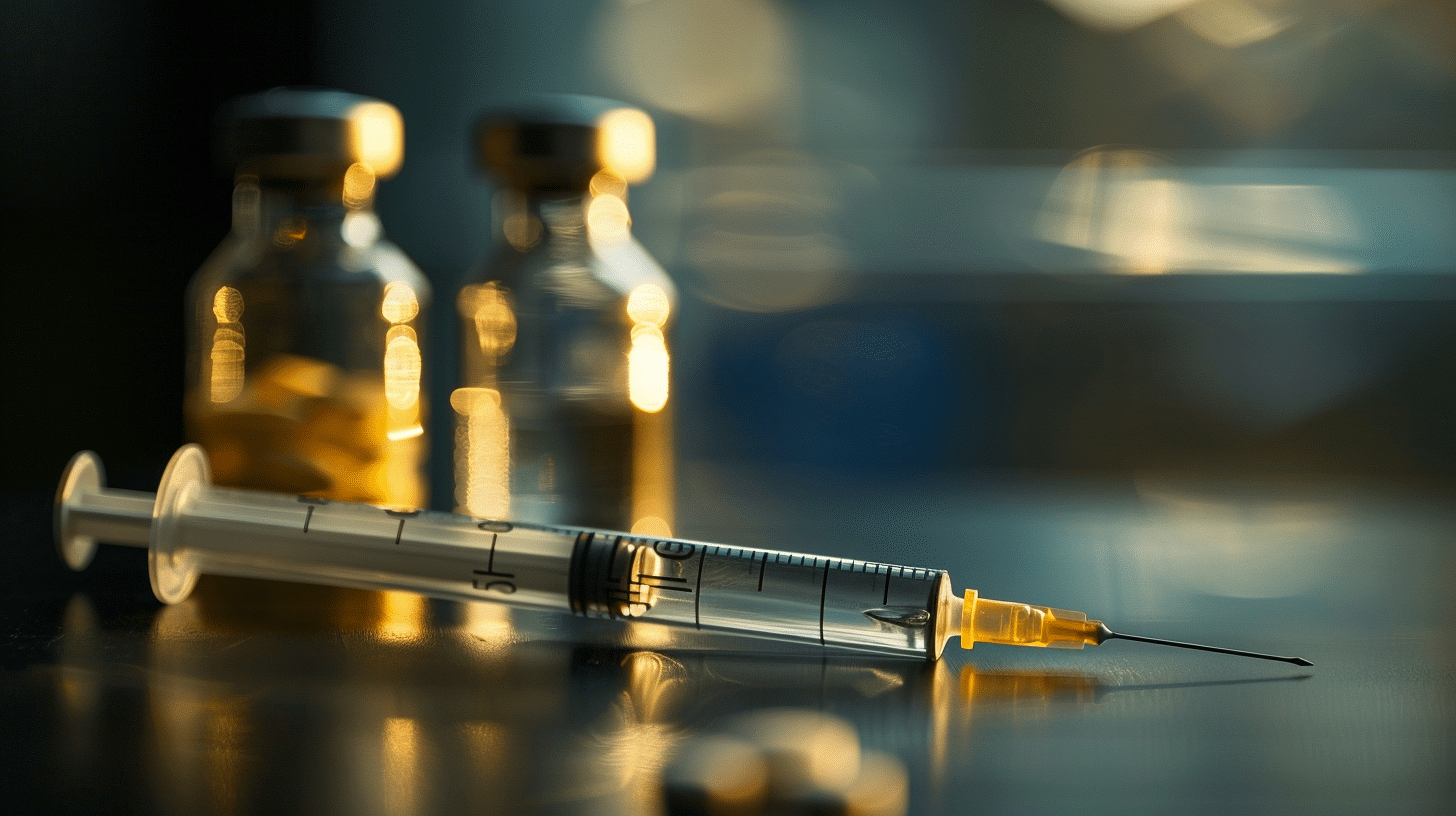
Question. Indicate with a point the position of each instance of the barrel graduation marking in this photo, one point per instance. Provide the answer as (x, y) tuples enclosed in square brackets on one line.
[(401, 515), (312, 502), (507, 587)]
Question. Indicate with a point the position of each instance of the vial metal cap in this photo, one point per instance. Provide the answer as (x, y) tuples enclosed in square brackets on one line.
[(561, 141), (304, 132)]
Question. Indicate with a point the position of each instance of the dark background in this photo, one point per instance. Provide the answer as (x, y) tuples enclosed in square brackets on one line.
[(111, 200)]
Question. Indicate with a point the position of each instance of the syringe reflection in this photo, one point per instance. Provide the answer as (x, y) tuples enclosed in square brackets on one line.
[(229, 702)]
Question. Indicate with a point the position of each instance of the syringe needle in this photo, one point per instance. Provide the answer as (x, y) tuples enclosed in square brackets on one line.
[(1016, 624), (189, 527), (1108, 634)]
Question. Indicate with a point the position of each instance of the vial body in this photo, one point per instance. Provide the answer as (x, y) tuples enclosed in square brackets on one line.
[(564, 410), (305, 326), (563, 414)]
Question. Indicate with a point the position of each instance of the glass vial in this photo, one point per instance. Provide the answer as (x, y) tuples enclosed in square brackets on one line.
[(563, 412), (304, 326)]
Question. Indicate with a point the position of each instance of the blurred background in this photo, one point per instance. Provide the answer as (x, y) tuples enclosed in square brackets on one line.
[(995, 239), (1122, 305)]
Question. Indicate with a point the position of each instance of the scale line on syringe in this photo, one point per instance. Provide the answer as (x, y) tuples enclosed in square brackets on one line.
[(642, 581), (698, 592), (507, 587), (823, 596), (402, 515)]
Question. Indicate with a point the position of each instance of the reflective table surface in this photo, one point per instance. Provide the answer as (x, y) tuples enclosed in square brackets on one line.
[(255, 697)]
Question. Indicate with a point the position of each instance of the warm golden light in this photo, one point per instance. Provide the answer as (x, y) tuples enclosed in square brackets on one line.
[(225, 734), (652, 526), (1118, 15), (290, 231), (402, 368), (79, 687), (378, 137), (1142, 229), (882, 787), (400, 304), (482, 453), (522, 230), (808, 749), (227, 305), (226, 359), (487, 624), (1138, 215), (393, 265), (472, 400), (647, 368), (1234, 548), (653, 476), (731, 775), (633, 743), (298, 424), (285, 377), (358, 186), (1232, 23), (605, 183), (649, 303), (607, 218), (401, 616), (360, 229), (401, 762), (648, 384), (397, 478), (1028, 690), (1097, 203), (488, 307), (718, 60), (627, 144)]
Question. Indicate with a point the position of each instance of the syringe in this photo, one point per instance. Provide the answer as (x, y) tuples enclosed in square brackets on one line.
[(191, 527)]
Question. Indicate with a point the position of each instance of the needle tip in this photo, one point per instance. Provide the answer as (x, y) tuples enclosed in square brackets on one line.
[(1110, 635)]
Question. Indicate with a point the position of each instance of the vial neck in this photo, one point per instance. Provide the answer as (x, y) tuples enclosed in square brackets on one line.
[(562, 215), (265, 204), (562, 221)]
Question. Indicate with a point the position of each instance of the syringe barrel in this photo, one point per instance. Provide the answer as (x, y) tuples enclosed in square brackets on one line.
[(254, 534), (197, 528), (791, 597)]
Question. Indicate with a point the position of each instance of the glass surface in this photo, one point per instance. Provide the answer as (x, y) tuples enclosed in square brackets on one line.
[(255, 696), (304, 346), (563, 414)]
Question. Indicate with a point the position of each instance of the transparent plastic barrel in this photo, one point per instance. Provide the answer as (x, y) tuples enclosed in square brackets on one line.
[(807, 599), (197, 528)]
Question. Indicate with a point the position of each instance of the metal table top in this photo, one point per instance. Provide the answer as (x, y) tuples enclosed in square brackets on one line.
[(257, 697)]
